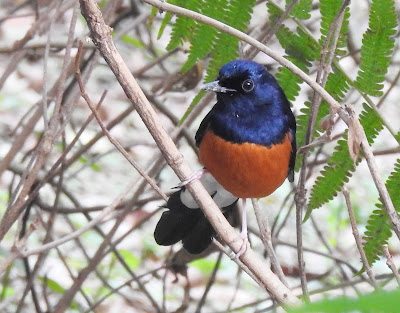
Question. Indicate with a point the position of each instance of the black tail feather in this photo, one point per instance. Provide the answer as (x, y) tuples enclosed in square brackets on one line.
[(176, 222), (189, 225)]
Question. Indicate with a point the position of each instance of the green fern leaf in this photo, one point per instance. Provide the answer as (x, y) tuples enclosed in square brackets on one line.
[(164, 23), (333, 176), (336, 85), (184, 27), (205, 36), (340, 166), (378, 225), (301, 9), (377, 47), (237, 14), (377, 234), (300, 49), (329, 10)]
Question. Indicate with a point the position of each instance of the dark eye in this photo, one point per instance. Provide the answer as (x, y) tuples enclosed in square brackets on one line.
[(248, 85)]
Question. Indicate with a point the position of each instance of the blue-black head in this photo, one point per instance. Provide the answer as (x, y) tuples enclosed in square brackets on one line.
[(246, 86)]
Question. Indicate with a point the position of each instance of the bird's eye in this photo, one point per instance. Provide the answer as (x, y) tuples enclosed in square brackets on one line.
[(248, 85)]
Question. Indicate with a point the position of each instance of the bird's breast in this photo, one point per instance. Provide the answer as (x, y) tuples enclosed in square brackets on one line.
[(247, 170)]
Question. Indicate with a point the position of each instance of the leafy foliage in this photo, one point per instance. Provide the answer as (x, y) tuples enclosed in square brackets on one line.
[(340, 166), (184, 27), (377, 302), (377, 47), (329, 10), (205, 39), (303, 49), (300, 48), (301, 9), (378, 226), (338, 170)]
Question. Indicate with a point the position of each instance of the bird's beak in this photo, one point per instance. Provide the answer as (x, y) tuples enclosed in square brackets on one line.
[(216, 87)]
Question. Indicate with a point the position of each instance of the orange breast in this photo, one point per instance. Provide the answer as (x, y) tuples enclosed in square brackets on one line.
[(246, 170)]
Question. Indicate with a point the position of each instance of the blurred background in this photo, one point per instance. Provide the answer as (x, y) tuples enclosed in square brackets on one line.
[(58, 188)]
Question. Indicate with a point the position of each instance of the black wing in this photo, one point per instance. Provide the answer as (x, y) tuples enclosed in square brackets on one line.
[(202, 129)]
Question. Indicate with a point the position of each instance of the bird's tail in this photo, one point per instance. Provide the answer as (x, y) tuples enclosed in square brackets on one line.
[(183, 222)]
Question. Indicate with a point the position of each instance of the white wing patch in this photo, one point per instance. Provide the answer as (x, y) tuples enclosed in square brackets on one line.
[(222, 197)]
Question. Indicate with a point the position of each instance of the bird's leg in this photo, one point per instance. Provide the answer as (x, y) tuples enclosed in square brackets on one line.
[(243, 233), (194, 176)]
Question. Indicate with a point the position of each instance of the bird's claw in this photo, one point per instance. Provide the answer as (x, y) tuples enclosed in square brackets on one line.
[(243, 247), (194, 176)]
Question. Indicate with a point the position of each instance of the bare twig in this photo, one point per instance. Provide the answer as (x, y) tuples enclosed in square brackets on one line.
[(373, 168), (265, 232), (108, 134), (390, 263), (211, 281), (357, 237)]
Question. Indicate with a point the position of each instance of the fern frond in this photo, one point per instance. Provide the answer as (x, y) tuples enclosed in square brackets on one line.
[(300, 49), (329, 10), (378, 225), (336, 85), (340, 166), (301, 9), (205, 36), (184, 27), (237, 14), (377, 47), (166, 20)]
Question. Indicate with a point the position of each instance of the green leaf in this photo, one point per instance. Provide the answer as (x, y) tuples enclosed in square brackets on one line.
[(378, 226), (52, 284), (205, 36), (329, 10), (204, 265), (340, 166), (377, 302), (300, 49), (132, 41), (301, 9), (377, 47), (184, 27), (132, 261)]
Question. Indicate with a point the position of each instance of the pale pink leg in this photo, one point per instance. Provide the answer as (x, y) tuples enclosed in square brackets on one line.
[(243, 233), (195, 176)]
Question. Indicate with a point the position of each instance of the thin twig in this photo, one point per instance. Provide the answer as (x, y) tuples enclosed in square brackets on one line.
[(373, 168), (322, 77), (357, 237), (390, 263), (265, 234), (211, 281), (108, 134)]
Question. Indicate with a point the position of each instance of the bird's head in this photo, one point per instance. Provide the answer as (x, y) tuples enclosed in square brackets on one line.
[(247, 84)]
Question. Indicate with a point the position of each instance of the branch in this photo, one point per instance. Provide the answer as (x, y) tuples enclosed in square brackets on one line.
[(101, 36), (357, 237)]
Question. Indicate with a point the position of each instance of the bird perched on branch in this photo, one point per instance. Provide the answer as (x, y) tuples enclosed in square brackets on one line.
[(247, 144)]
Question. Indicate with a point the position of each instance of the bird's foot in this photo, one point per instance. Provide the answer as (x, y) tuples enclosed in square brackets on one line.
[(243, 247), (194, 176)]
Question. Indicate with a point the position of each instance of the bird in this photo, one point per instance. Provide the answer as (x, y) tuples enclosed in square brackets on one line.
[(247, 145)]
